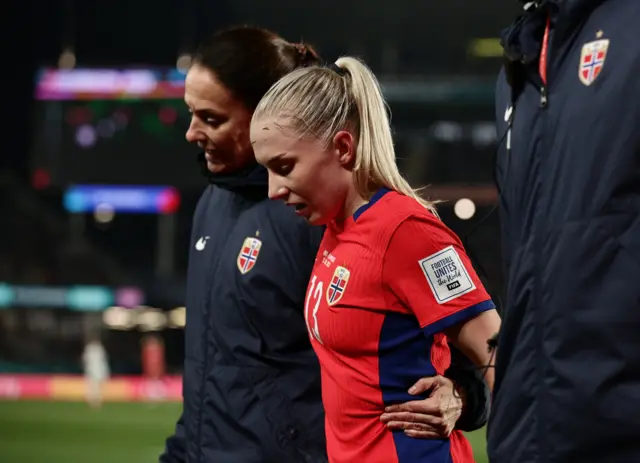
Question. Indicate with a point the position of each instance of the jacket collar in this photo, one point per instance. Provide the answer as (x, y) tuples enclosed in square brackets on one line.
[(523, 39), (253, 178)]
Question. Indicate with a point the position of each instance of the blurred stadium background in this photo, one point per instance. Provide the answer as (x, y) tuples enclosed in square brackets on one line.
[(98, 187)]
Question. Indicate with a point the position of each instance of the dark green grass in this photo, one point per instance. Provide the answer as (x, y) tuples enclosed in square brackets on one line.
[(60, 432)]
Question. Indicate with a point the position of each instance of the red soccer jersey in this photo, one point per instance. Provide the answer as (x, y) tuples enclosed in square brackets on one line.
[(385, 284)]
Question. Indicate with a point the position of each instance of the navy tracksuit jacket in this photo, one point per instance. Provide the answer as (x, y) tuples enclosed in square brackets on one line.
[(251, 379), (568, 362)]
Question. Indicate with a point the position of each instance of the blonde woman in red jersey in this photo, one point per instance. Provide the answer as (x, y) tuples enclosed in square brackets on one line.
[(392, 285)]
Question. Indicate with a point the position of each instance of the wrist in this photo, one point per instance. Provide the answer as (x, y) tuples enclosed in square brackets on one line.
[(461, 393)]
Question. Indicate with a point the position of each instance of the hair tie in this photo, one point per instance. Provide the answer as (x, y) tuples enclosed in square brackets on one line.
[(301, 48), (337, 69)]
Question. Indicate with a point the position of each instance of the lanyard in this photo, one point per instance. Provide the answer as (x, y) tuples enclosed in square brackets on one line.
[(544, 52), (542, 69)]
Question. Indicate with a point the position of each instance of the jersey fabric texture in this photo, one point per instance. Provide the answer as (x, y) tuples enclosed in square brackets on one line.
[(385, 285)]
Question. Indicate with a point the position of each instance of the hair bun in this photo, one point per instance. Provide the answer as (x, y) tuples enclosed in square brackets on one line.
[(308, 56)]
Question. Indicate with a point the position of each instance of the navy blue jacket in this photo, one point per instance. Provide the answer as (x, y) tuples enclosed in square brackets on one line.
[(251, 379), (568, 362)]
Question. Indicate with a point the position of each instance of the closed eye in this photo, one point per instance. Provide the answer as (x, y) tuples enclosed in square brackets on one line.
[(211, 121), (283, 169), (280, 164), (208, 118)]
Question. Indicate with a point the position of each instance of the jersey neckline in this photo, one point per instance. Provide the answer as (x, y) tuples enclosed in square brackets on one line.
[(351, 220), (374, 199)]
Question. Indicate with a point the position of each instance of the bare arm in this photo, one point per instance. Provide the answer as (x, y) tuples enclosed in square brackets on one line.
[(471, 338)]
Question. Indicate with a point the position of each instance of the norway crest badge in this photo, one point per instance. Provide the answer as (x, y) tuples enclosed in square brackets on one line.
[(592, 60), (338, 284), (248, 254)]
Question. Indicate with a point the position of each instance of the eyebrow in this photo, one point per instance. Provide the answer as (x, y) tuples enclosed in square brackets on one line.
[(276, 158), (202, 110), (209, 111)]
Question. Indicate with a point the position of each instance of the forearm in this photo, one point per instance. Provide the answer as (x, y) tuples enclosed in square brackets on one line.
[(472, 389), (471, 338)]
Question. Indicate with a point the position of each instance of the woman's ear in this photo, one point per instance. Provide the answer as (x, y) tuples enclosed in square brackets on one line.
[(344, 148)]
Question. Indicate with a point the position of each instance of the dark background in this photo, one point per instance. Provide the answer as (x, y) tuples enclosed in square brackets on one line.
[(430, 57)]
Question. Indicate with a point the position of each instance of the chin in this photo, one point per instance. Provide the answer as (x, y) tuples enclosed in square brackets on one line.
[(317, 219), (217, 168)]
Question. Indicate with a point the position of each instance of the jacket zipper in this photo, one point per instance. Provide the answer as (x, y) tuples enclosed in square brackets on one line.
[(544, 96)]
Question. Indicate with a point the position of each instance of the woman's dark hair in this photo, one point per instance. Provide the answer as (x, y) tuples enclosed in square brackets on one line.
[(249, 60)]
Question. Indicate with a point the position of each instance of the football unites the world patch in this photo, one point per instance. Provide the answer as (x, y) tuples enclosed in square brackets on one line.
[(592, 60), (446, 275), (338, 285), (248, 254)]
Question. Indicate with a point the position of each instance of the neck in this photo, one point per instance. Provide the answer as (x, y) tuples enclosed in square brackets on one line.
[(353, 202)]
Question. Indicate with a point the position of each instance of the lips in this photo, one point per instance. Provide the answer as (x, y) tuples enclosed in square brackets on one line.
[(300, 208)]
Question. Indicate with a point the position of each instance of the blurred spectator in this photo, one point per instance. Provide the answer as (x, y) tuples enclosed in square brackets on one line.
[(96, 370)]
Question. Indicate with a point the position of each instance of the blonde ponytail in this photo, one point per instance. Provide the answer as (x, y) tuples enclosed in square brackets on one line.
[(322, 101), (376, 159)]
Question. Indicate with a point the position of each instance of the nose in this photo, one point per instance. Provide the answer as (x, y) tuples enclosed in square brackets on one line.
[(193, 135), (276, 189)]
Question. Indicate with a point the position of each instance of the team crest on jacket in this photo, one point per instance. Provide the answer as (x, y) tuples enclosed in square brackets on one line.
[(248, 254), (338, 284), (592, 60)]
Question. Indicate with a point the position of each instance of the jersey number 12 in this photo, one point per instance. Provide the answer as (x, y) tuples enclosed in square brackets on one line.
[(315, 293)]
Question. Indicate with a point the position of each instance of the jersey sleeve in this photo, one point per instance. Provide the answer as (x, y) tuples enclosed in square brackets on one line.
[(428, 271)]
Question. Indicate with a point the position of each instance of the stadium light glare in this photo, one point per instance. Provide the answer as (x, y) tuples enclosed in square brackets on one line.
[(151, 320), (485, 48), (104, 213), (119, 318), (178, 317), (183, 63), (67, 59), (464, 208)]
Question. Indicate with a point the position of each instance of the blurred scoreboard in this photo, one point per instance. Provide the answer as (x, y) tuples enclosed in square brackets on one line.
[(127, 126), (112, 127)]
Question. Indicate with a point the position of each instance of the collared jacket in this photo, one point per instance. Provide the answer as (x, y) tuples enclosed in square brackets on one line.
[(568, 360)]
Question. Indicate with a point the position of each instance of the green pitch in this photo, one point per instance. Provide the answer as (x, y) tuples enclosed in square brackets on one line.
[(58, 432)]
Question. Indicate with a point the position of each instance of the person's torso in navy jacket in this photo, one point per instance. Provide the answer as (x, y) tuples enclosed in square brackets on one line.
[(568, 363), (251, 380)]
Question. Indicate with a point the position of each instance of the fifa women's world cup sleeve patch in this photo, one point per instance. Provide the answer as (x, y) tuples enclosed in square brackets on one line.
[(447, 276), (428, 273)]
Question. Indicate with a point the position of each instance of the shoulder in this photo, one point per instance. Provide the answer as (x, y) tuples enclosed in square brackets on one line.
[(422, 233), (502, 84), (401, 223), (391, 210), (401, 211), (416, 234), (614, 23), (281, 217), (623, 11), (204, 200), (502, 97)]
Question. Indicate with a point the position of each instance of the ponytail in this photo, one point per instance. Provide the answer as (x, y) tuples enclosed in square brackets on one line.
[(375, 164)]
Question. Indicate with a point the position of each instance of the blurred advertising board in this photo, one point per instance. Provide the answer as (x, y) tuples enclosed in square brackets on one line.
[(73, 388)]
